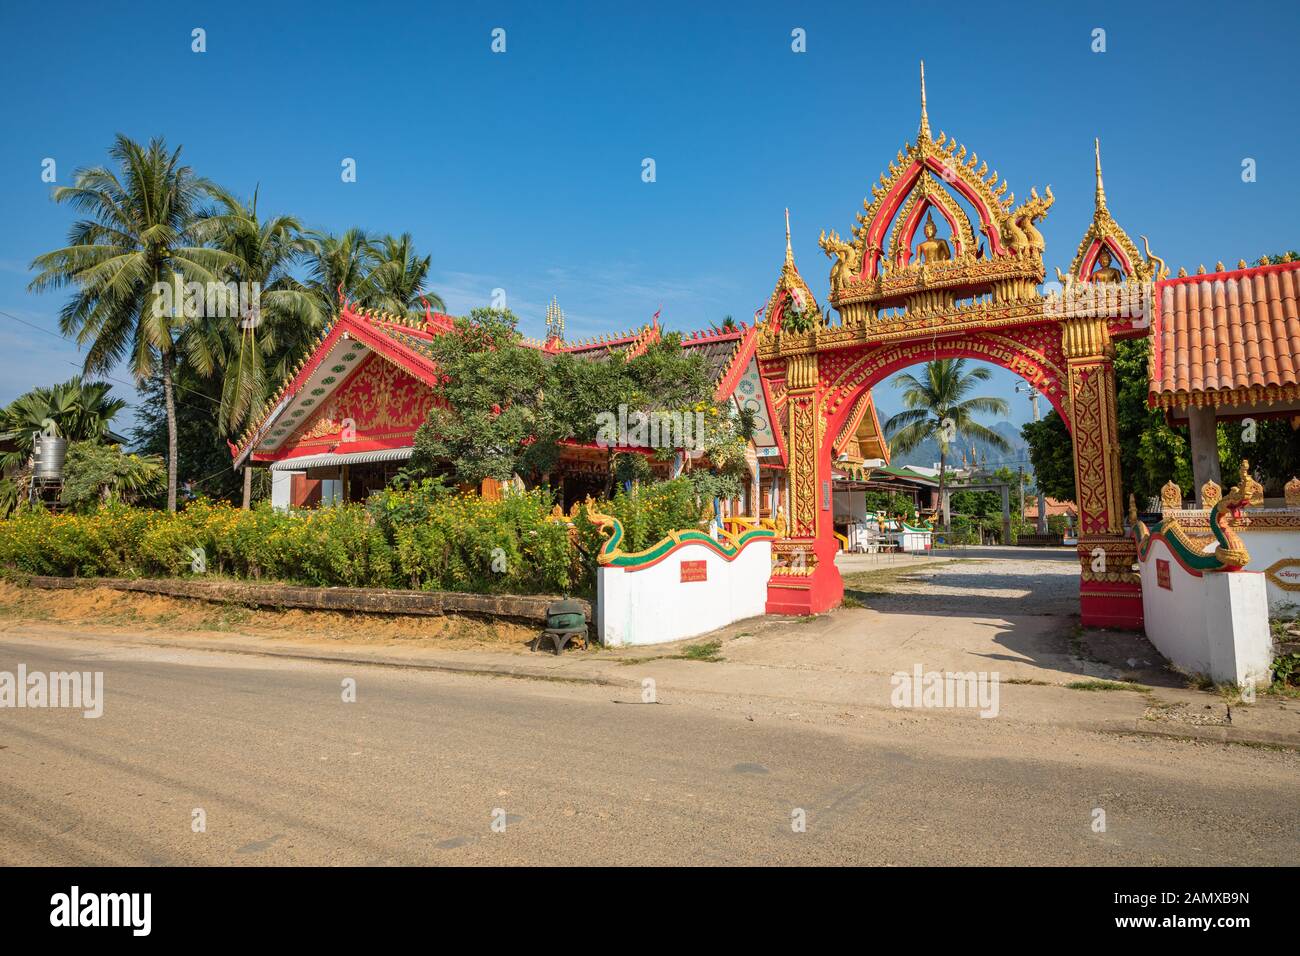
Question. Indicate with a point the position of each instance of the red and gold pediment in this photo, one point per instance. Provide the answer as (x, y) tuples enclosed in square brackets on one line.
[(792, 304), (1121, 261), (926, 197), (896, 256), (380, 402)]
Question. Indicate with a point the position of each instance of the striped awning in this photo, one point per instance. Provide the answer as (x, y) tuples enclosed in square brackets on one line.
[(325, 461)]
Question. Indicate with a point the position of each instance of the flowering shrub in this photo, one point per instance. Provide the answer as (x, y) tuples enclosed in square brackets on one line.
[(453, 543), (105, 544), (423, 537), (469, 544)]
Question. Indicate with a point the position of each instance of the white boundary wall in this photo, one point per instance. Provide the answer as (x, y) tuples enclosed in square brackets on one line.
[(1215, 624), (653, 605), (1267, 546)]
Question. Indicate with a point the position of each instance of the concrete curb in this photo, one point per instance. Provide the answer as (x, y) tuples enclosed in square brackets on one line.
[(1214, 734), (325, 656)]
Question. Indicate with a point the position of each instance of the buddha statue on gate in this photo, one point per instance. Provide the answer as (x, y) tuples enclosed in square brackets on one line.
[(1105, 272), (931, 249)]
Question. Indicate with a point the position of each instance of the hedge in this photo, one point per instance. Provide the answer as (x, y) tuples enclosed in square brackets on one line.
[(422, 538)]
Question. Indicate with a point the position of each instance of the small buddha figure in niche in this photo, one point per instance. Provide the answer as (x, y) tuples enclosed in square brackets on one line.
[(932, 250), (1105, 272)]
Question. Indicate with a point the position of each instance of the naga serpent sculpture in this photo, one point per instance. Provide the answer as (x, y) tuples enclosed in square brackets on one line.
[(1226, 517)]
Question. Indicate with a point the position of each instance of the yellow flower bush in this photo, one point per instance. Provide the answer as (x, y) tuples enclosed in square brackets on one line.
[(425, 537)]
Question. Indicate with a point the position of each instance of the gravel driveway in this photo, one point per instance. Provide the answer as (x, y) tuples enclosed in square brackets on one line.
[(979, 581)]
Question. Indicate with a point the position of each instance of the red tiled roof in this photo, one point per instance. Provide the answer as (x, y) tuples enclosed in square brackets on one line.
[(1054, 508), (1227, 338)]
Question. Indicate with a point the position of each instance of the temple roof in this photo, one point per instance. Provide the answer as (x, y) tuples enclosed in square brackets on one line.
[(340, 349), (727, 354), (356, 333), (1227, 339), (348, 342)]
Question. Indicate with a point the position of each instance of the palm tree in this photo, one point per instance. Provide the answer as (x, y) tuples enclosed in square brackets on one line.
[(342, 263), (254, 349), (77, 410), (938, 407), (121, 262), (399, 278)]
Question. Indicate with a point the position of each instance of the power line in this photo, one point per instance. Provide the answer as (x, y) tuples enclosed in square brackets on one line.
[(63, 338)]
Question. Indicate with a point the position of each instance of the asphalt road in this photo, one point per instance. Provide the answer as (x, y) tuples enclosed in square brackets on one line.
[(419, 768)]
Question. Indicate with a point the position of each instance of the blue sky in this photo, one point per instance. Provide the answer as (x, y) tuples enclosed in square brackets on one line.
[(522, 170)]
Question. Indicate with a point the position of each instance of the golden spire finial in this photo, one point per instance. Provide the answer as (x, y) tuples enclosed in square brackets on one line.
[(789, 252), (554, 320), (925, 117), (1101, 190)]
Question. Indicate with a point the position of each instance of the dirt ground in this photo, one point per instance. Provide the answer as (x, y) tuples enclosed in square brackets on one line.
[(106, 609)]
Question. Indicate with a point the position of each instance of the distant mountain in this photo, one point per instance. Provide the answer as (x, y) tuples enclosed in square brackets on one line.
[(927, 453)]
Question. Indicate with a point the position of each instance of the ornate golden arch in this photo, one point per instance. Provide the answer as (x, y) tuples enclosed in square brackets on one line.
[(1036, 360)]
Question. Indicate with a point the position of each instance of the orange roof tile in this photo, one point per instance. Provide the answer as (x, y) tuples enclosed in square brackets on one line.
[(1227, 338), (1054, 507)]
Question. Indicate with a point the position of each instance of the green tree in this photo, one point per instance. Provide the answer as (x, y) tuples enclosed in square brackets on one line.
[(496, 422), (206, 468), (99, 474), (399, 277), (252, 351), (1052, 455), (508, 408), (121, 261), (1151, 451), (344, 264), (1271, 445), (939, 405), (77, 410)]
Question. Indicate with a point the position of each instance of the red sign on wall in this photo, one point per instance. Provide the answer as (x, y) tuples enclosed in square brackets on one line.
[(1162, 574), (695, 571)]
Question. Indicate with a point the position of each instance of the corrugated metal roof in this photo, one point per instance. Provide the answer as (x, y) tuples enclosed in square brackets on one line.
[(355, 458)]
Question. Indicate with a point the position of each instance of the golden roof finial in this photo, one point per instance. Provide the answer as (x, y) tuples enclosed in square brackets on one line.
[(789, 252), (925, 117), (1101, 190), (554, 320)]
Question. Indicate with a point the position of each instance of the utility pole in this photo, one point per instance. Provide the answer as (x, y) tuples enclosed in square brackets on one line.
[(1042, 498), (1022, 492)]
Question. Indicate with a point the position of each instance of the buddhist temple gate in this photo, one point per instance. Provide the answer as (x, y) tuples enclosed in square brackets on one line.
[(901, 303)]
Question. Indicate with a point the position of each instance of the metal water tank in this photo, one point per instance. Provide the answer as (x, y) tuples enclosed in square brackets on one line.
[(49, 455)]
